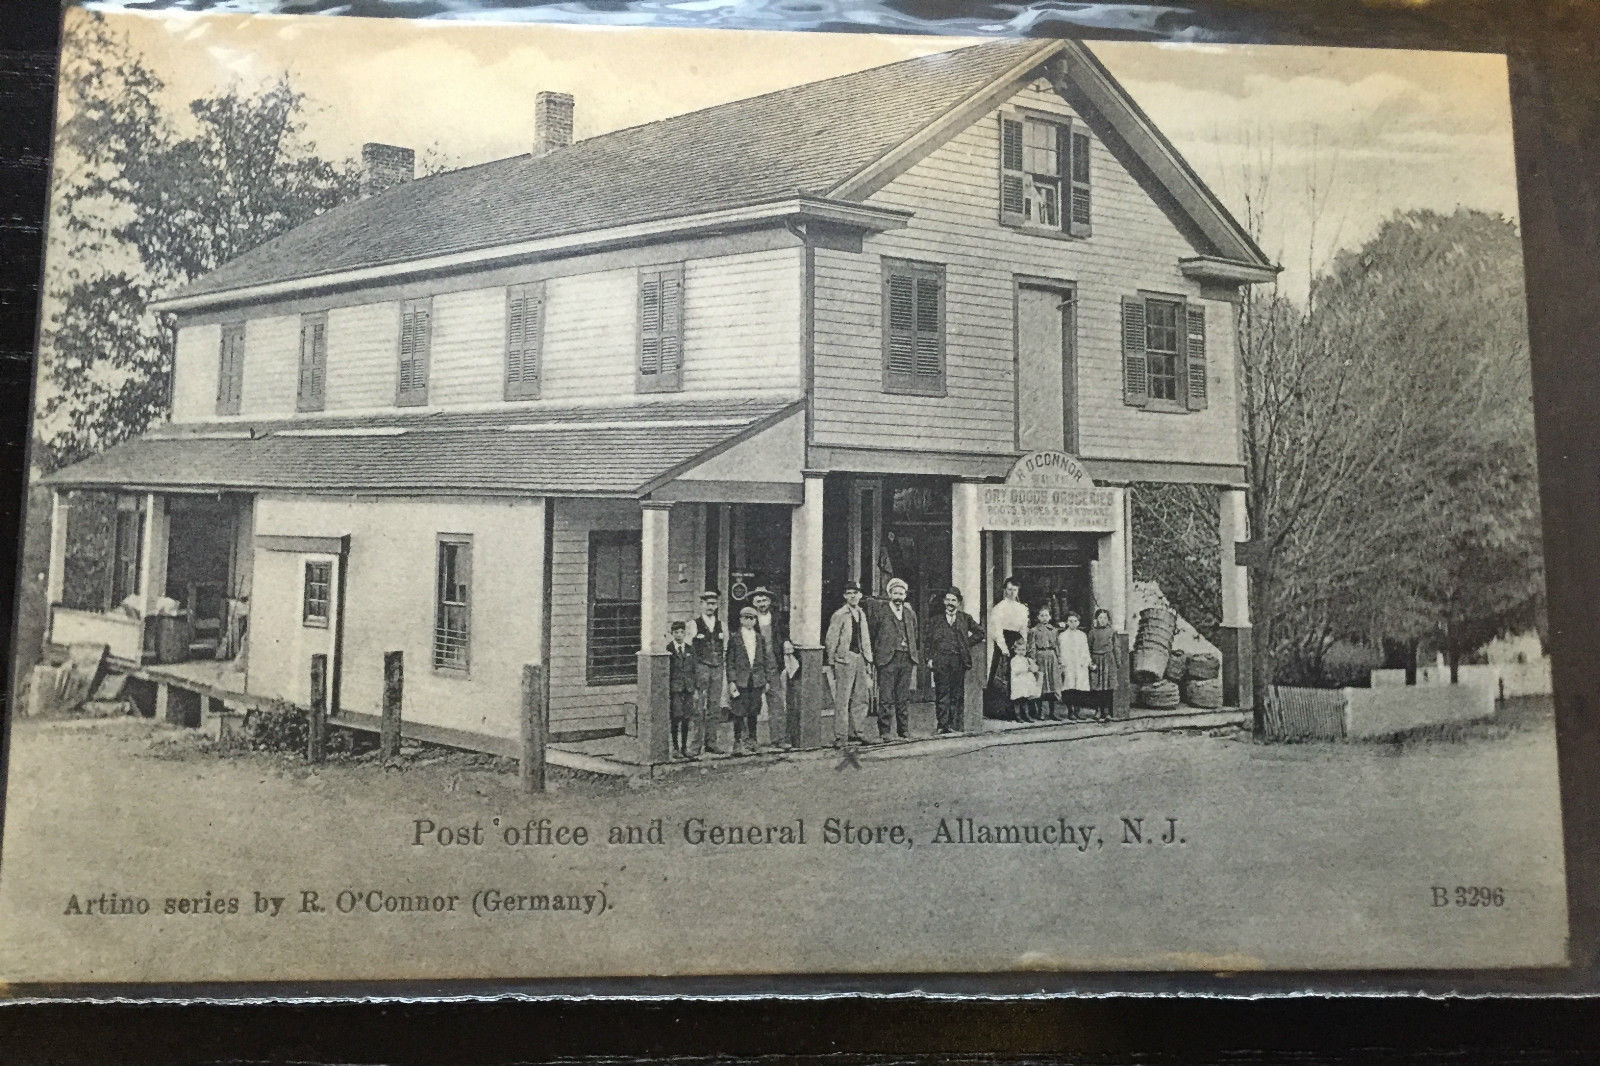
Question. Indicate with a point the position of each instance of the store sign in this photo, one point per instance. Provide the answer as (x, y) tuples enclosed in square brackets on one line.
[(1048, 491)]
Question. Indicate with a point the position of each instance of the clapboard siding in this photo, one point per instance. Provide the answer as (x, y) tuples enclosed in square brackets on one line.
[(271, 365), (574, 703), (468, 357), (363, 356), (953, 194), (742, 322), (196, 363)]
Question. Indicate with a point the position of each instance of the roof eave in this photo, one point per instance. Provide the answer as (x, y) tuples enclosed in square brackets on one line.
[(1232, 271), (799, 208)]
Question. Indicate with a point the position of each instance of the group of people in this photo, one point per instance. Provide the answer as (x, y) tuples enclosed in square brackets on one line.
[(1038, 671), (1041, 671)]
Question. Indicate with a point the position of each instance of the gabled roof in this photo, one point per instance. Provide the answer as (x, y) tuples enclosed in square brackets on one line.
[(839, 138), (574, 452)]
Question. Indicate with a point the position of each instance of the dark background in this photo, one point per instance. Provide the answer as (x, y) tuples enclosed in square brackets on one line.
[(1554, 48)]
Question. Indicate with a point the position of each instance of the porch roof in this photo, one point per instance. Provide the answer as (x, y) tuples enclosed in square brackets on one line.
[(616, 451)]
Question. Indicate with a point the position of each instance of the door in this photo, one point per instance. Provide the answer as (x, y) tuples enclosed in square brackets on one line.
[(866, 537), (1046, 370)]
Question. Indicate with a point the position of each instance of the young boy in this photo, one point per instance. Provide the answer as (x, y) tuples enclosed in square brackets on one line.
[(680, 685)]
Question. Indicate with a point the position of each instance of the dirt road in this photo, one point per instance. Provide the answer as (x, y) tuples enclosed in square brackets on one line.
[(1279, 856)]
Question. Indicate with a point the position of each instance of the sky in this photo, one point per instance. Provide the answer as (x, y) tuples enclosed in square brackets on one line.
[(1344, 137)]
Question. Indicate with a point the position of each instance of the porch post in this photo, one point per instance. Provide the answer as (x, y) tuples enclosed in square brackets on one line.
[(805, 613), (153, 558), (1119, 584), (654, 694), (60, 513), (966, 572), (1233, 638)]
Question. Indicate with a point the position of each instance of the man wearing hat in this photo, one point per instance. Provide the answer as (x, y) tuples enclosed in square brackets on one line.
[(710, 643), (849, 657), (771, 630), (895, 646)]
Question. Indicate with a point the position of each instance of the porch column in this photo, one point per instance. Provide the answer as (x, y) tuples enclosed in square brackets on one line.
[(805, 613), (153, 557), (654, 695), (56, 582), (966, 573), (1117, 582), (1233, 638)]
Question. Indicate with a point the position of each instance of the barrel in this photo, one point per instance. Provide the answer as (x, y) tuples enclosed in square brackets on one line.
[(1202, 666), (1149, 663), (1177, 662), (1205, 694), (1157, 696)]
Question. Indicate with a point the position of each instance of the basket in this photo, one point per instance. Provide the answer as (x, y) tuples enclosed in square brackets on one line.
[(1157, 696), (1149, 664), (1205, 694), (1177, 662), (1202, 666)]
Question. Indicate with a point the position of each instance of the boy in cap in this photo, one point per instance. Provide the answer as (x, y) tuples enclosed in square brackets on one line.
[(680, 687), (747, 678)]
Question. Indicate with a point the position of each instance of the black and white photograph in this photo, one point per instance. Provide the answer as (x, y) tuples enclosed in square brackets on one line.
[(557, 502)]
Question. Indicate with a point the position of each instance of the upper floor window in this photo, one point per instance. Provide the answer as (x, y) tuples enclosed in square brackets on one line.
[(1163, 353), (1044, 174), (913, 327), (313, 362), (452, 625), (416, 334), (230, 369), (524, 336), (661, 328)]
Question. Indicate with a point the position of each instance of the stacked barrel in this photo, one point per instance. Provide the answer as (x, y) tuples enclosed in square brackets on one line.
[(1152, 653), (1202, 681)]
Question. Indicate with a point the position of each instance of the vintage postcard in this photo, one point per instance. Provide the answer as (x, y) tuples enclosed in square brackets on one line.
[(544, 502)]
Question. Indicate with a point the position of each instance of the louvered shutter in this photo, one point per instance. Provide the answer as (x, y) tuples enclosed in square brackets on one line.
[(902, 325), (661, 329), (1195, 358), (524, 339), (930, 345), (415, 335), (1135, 365), (313, 363), (1013, 183), (230, 370), (1077, 178), (913, 328)]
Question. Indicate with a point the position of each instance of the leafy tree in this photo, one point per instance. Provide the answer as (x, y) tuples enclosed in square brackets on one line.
[(145, 202)]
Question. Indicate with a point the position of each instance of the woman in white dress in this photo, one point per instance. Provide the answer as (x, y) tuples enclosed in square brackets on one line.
[(1073, 647)]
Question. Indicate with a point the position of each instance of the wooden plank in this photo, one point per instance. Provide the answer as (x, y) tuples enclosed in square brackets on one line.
[(393, 690), (535, 722), (317, 726)]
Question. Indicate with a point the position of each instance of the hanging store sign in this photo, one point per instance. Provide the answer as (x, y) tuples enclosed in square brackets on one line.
[(1048, 491)]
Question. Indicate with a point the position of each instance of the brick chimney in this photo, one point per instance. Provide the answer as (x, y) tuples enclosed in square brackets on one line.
[(552, 122), (383, 166)]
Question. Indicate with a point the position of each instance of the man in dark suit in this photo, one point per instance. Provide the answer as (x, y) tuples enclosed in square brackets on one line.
[(680, 688), (952, 634), (774, 634), (747, 678), (895, 648)]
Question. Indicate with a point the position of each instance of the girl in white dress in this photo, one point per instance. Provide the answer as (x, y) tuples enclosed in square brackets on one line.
[(1073, 647), (1025, 689)]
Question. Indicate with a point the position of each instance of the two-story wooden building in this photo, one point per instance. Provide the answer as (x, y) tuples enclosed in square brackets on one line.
[(526, 411)]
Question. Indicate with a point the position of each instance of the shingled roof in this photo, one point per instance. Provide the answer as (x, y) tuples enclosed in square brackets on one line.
[(583, 452), (805, 139)]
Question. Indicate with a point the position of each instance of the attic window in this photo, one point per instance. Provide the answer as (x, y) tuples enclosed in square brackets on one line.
[(1044, 174)]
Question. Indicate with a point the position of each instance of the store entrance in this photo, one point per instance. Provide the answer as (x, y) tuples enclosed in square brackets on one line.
[(1053, 568)]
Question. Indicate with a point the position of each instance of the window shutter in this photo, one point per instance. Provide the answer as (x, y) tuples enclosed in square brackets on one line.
[(230, 370), (524, 339), (1195, 358), (661, 329), (1077, 212), (313, 362), (1013, 183), (902, 325), (930, 343), (1135, 370), (415, 337)]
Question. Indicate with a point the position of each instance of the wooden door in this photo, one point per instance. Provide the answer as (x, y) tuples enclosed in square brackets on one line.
[(1046, 371)]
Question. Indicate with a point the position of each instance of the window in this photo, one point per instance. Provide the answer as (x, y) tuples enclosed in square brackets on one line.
[(614, 608), (126, 550), (1163, 353), (913, 328), (661, 329), (452, 623), (416, 332), (313, 362), (1044, 174), (230, 371), (318, 594), (524, 334)]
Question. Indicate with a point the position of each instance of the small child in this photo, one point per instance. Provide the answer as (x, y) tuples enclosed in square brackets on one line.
[(1042, 650), (1025, 689), (680, 686)]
